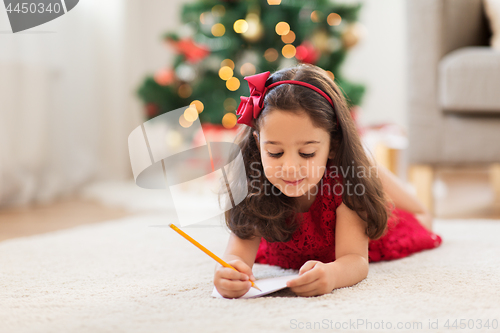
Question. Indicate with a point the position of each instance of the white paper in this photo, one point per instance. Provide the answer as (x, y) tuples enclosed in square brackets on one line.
[(267, 286)]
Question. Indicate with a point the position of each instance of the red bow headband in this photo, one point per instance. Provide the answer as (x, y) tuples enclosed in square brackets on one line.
[(250, 107)]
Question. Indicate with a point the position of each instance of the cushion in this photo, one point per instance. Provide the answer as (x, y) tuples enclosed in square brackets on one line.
[(492, 8), (469, 79)]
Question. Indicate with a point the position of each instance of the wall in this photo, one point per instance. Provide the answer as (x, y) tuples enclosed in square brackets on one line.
[(379, 61)]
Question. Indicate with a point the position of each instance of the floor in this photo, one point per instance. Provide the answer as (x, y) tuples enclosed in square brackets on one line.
[(465, 193), (64, 214), (460, 193), (127, 277)]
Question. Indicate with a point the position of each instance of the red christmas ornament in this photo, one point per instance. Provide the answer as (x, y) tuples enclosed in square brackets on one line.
[(306, 53), (192, 51), (165, 77), (152, 110)]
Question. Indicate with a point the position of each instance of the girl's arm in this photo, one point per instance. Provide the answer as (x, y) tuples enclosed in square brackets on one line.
[(351, 249), (242, 249), (240, 254), (351, 242)]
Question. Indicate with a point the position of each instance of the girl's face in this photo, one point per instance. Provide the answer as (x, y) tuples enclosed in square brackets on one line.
[(294, 152)]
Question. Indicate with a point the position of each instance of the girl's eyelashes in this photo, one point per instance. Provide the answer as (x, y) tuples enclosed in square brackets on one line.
[(301, 154), (274, 155)]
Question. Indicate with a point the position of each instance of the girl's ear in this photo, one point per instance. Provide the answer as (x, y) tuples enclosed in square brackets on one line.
[(256, 139), (331, 155)]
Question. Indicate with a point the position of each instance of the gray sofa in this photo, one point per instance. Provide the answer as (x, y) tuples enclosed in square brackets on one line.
[(454, 84)]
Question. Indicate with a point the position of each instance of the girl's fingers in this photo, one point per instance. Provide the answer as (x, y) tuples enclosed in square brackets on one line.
[(241, 267), (307, 266), (308, 287), (304, 279), (235, 285), (234, 275), (314, 292), (231, 274)]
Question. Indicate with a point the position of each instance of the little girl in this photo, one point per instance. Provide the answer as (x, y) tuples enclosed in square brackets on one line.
[(316, 202)]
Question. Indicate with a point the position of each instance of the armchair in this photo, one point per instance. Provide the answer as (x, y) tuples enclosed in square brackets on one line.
[(453, 90)]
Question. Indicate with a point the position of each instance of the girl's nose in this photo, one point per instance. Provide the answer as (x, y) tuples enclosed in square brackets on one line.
[(291, 167)]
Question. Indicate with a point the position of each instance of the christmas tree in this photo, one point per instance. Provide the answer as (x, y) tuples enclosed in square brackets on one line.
[(221, 42)]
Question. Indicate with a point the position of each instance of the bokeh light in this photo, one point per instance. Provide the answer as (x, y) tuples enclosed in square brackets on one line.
[(183, 122), (218, 10), (289, 37), (288, 51), (190, 114), (218, 30), (184, 90), (174, 138), (230, 104), (282, 28), (229, 120), (271, 54), (316, 16), (225, 73), (228, 63), (247, 69), (240, 26), (273, 2), (233, 84), (198, 105), (334, 19), (330, 74)]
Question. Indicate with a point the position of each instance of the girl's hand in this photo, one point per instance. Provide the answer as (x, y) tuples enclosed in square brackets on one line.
[(232, 284), (316, 278)]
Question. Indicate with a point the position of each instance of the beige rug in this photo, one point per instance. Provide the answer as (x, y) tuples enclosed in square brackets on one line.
[(123, 276)]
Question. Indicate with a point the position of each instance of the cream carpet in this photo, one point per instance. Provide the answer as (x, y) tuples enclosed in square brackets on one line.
[(123, 276)]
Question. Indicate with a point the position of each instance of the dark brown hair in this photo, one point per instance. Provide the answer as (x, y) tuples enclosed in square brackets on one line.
[(267, 212)]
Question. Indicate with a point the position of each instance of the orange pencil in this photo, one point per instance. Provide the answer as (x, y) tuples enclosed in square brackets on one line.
[(204, 249)]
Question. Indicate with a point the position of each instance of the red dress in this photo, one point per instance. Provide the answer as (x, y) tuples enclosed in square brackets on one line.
[(315, 238)]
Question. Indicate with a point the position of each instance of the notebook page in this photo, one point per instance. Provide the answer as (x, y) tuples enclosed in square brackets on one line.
[(267, 286)]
